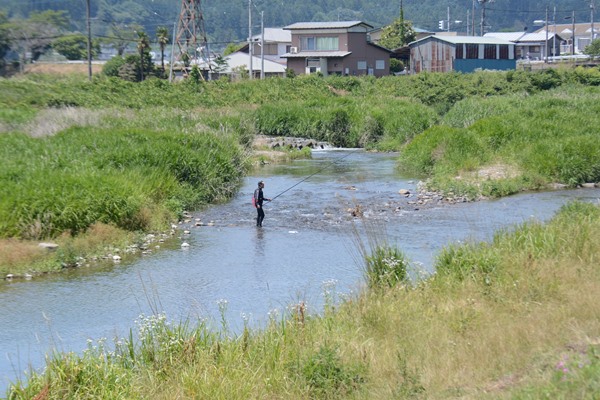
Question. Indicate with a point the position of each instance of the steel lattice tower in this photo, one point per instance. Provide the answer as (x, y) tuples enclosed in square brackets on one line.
[(191, 36)]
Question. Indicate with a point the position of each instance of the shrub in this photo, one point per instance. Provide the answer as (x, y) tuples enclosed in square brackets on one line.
[(327, 375), (112, 66), (385, 267)]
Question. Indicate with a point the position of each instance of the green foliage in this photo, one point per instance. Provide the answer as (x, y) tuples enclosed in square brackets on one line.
[(162, 37), (396, 66), (231, 48), (593, 49), (220, 64), (443, 150), (337, 129), (467, 261), (328, 376), (117, 176), (195, 75), (546, 79), (545, 137), (290, 73), (385, 267), (74, 47), (399, 33), (112, 66)]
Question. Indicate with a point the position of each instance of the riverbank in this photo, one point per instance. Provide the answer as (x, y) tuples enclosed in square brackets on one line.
[(513, 318)]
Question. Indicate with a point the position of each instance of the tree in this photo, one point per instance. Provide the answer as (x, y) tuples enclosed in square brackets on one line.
[(4, 40), (32, 37), (112, 66), (231, 48), (593, 49), (162, 35), (397, 34), (143, 46), (220, 64), (121, 35), (74, 46), (396, 66)]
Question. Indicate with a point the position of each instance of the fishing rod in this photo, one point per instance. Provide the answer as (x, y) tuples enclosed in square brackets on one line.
[(313, 174)]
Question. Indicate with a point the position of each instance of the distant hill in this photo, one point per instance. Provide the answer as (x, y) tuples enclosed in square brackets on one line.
[(226, 21)]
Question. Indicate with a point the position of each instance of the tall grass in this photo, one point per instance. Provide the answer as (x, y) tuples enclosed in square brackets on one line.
[(515, 317), (137, 180), (547, 138)]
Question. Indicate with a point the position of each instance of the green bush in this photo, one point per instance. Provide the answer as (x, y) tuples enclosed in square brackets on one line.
[(327, 376), (112, 66), (385, 267)]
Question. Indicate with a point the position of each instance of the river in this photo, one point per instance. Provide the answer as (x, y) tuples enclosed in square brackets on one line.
[(308, 241)]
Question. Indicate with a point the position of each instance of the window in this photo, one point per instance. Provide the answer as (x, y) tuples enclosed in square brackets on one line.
[(362, 65), (504, 52), (270, 49), (489, 51), (379, 64), (459, 52), (319, 43), (472, 51)]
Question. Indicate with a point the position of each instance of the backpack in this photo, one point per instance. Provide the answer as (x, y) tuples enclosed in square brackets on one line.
[(254, 198)]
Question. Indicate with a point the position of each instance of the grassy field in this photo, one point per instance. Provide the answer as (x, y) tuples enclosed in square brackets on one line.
[(514, 318)]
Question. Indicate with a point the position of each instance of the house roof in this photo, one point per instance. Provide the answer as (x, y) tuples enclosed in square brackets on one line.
[(278, 35), (317, 54), (463, 39), (581, 29), (327, 25), (519, 37)]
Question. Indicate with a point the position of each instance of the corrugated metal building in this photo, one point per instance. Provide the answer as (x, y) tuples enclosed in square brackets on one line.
[(461, 53)]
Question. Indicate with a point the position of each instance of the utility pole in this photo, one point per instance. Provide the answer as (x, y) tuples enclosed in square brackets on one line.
[(262, 45), (250, 37), (546, 23), (172, 53), (448, 16), (473, 20), (592, 20), (482, 3), (89, 39), (468, 22), (554, 37), (573, 36)]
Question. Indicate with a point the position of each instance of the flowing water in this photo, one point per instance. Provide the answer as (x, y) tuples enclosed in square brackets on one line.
[(308, 241)]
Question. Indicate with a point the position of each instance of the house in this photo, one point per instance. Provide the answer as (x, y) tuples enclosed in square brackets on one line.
[(278, 42), (335, 48), (238, 62), (461, 53), (581, 34), (531, 46)]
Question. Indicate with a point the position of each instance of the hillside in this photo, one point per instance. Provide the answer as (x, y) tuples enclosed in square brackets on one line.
[(227, 21)]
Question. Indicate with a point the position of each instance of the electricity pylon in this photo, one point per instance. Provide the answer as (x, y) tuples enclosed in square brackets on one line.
[(191, 40)]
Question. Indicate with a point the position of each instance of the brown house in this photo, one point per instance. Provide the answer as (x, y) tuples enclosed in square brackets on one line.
[(335, 48)]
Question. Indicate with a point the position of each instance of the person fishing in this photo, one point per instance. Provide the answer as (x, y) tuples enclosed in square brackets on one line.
[(258, 203)]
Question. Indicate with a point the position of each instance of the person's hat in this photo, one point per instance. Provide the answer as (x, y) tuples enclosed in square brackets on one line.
[(260, 183)]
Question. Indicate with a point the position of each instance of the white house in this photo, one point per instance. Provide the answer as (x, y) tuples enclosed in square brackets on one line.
[(531, 46)]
